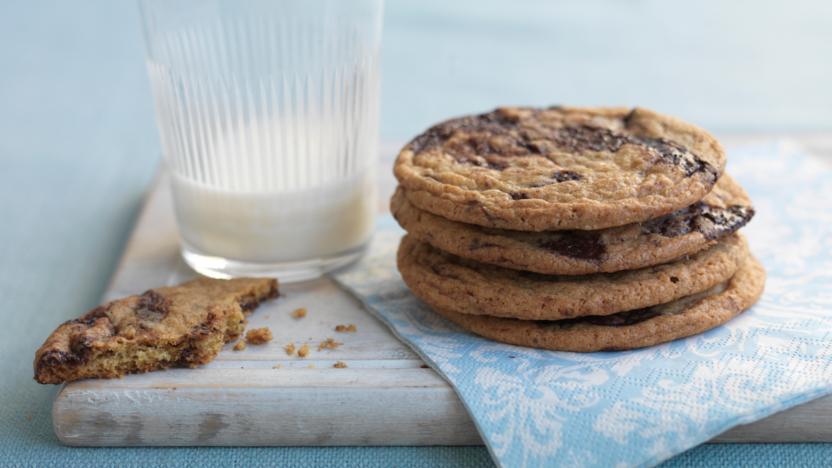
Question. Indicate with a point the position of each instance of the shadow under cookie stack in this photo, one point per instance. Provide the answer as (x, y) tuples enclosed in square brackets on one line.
[(574, 229)]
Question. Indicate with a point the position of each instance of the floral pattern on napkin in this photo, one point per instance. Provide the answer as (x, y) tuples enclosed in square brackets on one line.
[(543, 408)]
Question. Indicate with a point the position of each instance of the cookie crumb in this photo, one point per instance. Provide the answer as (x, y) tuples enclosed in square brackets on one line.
[(289, 348), (299, 313), (349, 328), (328, 343), (240, 345), (310, 366), (259, 336), (303, 351), (277, 366), (340, 365)]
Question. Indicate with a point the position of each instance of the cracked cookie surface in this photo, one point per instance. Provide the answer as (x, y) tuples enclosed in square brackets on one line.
[(450, 283), (176, 326), (537, 169), (724, 210)]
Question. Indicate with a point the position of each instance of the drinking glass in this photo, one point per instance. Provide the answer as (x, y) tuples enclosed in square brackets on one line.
[(268, 118)]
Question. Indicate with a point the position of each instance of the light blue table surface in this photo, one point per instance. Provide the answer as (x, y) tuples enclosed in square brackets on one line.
[(78, 148)]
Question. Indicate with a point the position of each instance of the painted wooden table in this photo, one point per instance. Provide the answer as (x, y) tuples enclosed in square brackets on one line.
[(262, 396)]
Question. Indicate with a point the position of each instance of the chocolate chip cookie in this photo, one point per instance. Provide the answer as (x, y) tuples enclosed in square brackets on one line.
[(450, 283), (627, 330), (182, 326), (537, 169), (724, 210)]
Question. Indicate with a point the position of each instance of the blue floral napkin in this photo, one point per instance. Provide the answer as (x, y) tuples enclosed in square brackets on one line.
[(536, 408)]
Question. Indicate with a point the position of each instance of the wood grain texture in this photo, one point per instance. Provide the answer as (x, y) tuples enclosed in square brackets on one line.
[(261, 396)]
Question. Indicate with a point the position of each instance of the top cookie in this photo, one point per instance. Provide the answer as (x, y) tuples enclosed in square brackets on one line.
[(556, 168)]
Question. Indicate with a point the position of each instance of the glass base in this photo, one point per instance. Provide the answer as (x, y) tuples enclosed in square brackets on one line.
[(285, 272)]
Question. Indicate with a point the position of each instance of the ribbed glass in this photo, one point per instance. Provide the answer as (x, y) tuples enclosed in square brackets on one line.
[(268, 118)]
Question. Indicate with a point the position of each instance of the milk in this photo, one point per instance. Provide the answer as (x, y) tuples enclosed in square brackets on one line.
[(270, 134), (276, 226), (270, 192)]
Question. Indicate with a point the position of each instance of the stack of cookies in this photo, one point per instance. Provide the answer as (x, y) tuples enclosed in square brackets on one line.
[(574, 229)]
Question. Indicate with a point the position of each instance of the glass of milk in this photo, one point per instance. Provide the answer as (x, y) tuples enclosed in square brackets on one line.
[(268, 117)]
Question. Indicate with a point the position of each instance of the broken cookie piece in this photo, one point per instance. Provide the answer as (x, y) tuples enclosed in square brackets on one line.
[(176, 326)]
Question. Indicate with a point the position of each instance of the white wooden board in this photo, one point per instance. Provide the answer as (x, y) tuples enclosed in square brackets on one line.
[(386, 396)]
